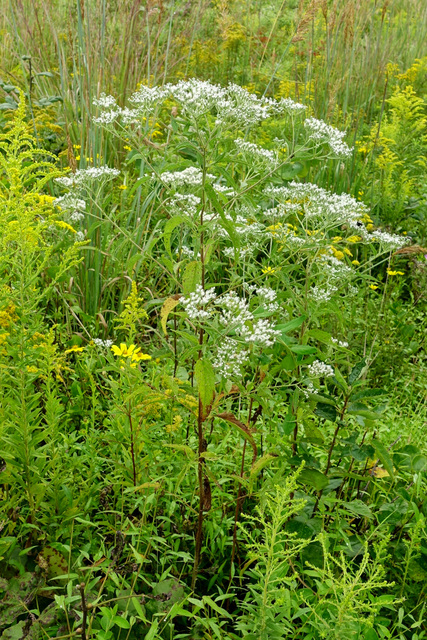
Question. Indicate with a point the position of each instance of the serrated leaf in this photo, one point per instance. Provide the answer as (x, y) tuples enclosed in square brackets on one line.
[(384, 456), (356, 372), (313, 477), (168, 306), (358, 507), (192, 276), (205, 378), (326, 411)]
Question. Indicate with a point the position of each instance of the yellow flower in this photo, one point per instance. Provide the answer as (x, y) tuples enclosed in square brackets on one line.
[(122, 187), (31, 369), (77, 146), (74, 349), (77, 158), (127, 147), (354, 239), (347, 252), (133, 352), (355, 262), (268, 271), (65, 225), (373, 287), (395, 273), (336, 239), (369, 226)]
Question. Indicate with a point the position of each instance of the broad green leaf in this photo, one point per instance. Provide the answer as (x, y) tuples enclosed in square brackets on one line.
[(368, 393), (313, 477), (356, 372), (192, 276), (205, 378), (358, 507), (303, 349), (291, 325), (384, 456), (326, 411)]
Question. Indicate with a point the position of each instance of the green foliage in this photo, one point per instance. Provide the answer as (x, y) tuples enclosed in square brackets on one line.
[(213, 403)]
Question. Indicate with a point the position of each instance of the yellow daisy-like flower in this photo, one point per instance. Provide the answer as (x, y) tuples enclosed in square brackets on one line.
[(133, 352), (268, 271), (373, 287), (123, 187), (127, 147), (74, 349), (355, 262), (395, 273)]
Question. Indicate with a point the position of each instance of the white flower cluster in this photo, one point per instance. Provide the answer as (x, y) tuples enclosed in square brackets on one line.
[(235, 315), (243, 251), (309, 390), (316, 202), (195, 302), (322, 293), (234, 310), (192, 176), (268, 297), (340, 343), (232, 104), (321, 132), (255, 151), (229, 358), (222, 188), (261, 333), (69, 202), (83, 176), (319, 369), (389, 241), (104, 344), (289, 106)]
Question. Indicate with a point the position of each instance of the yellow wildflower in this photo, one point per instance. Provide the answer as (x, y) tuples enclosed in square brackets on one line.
[(369, 227), (355, 262), (347, 252), (122, 187), (354, 239), (336, 239), (268, 271), (65, 225), (373, 287), (395, 273), (127, 147), (74, 349), (133, 352)]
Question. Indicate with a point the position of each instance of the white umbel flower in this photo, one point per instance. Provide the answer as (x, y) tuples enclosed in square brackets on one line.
[(195, 302)]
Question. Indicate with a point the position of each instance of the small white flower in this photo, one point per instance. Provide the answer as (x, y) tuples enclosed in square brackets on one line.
[(319, 369), (105, 344), (321, 132), (195, 302), (340, 343), (229, 359)]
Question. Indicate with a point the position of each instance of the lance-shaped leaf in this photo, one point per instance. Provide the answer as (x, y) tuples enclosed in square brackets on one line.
[(205, 378), (168, 306), (243, 429)]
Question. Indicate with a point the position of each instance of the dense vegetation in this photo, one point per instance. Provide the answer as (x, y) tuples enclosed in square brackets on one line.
[(213, 273)]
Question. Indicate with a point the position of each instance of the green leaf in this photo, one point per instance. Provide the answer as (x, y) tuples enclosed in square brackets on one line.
[(368, 393), (207, 600), (205, 378), (384, 457), (291, 325), (326, 411), (314, 478), (226, 224), (153, 630), (261, 464), (358, 507), (169, 227), (356, 372), (303, 349), (192, 276), (121, 622), (321, 336)]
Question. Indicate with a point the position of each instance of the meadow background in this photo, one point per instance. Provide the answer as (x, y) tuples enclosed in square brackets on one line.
[(213, 319)]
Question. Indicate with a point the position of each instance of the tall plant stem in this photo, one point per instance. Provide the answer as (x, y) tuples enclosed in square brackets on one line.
[(132, 444)]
